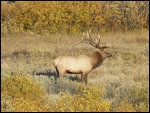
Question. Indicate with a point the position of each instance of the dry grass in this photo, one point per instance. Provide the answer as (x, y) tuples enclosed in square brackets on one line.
[(124, 76)]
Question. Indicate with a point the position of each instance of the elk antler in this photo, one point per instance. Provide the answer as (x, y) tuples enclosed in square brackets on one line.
[(96, 44)]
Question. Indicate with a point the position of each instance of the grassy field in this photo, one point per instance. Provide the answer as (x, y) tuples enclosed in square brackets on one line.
[(121, 83)]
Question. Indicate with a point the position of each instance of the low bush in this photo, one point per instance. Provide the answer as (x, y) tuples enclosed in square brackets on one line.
[(23, 93)]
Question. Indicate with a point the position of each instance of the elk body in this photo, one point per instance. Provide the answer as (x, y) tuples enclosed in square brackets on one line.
[(81, 64)]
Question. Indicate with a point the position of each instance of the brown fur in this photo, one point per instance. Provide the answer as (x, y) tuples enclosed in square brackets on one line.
[(96, 59)]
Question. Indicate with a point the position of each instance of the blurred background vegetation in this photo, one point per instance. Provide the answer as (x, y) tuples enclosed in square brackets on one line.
[(74, 16), (36, 32)]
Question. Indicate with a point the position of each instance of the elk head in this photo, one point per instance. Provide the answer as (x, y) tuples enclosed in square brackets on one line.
[(88, 39)]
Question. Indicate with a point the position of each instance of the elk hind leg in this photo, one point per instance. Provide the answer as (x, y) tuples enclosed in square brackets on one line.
[(60, 73), (57, 74)]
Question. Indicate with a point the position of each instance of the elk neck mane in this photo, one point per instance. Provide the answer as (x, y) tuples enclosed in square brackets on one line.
[(96, 59)]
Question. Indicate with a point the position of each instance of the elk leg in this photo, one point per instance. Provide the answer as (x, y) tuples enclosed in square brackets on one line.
[(57, 72), (61, 73), (82, 78), (56, 75), (85, 79)]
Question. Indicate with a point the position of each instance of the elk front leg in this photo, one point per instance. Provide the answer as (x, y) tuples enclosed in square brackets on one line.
[(85, 79), (82, 78)]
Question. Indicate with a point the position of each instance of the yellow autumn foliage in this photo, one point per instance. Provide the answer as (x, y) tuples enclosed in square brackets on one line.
[(73, 16), (126, 107), (87, 98), (22, 94)]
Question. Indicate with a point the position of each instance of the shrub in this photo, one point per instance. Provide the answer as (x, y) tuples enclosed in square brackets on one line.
[(87, 98), (126, 107), (25, 95), (21, 86), (6, 105), (23, 105)]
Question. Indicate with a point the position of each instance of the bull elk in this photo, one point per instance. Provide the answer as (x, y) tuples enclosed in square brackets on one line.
[(81, 64)]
